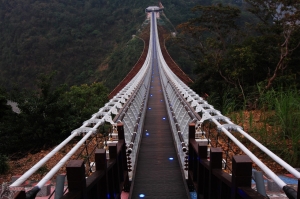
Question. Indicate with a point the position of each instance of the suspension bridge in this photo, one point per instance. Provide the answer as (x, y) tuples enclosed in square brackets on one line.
[(165, 142)]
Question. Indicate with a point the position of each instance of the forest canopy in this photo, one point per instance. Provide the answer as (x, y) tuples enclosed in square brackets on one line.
[(59, 57), (242, 48)]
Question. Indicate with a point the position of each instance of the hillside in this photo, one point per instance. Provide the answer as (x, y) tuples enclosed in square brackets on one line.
[(71, 38), (57, 59), (75, 38), (91, 41)]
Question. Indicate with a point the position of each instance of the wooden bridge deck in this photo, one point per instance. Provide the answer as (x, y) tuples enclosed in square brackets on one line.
[(157, 174)]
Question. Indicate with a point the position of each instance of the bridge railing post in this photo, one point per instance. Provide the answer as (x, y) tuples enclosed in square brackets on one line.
[(120, 129), (113, 173), (215, 163), (241, 174), (76, 177), (198, 165), (202, 170), (101, 165), (123, 169), (192, 130)]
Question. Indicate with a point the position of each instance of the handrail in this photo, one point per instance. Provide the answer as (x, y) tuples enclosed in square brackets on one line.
[(193, 104), (105, 114), (194, 99)]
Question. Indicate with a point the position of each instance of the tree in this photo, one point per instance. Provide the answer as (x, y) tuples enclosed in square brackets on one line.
[(9, 126), (4, 108), (281, 17), (209, 37), (43, 114), (4, 166), (235, 52), (84, 100), (48, 115)]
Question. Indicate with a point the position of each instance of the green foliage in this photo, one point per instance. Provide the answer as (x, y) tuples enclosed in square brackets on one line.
[(49, 115), (4, 108), (7, 123), (42, 114), (4, 167), (73, 38), (178, 11), (85, 100), (282, 18), (229, 103), (281, 112), (239, 49), (287, 109), (180, 56), (208, 37), (70, 37), (285, 103), (42, 170), (122, 61)]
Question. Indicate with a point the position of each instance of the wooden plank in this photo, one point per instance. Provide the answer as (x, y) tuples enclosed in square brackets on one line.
[(156, 176)]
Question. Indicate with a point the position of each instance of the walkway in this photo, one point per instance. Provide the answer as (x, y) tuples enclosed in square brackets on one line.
[(158, 174)]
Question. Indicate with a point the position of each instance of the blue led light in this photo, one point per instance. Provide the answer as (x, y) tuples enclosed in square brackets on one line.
[(164, 118), (142, 195), (161, 100), (147, 133), (171, 158), (151, 95), (149, 108)]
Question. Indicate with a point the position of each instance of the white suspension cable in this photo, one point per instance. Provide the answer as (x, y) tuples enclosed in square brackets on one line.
[(106, 111), (190, 96)]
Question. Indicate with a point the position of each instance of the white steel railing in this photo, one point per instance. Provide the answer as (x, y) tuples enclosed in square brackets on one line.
[(172, 85), (183, 104), (113, 107)]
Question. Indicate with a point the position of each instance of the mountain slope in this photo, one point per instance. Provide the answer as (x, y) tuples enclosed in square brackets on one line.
[(73, 37)]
